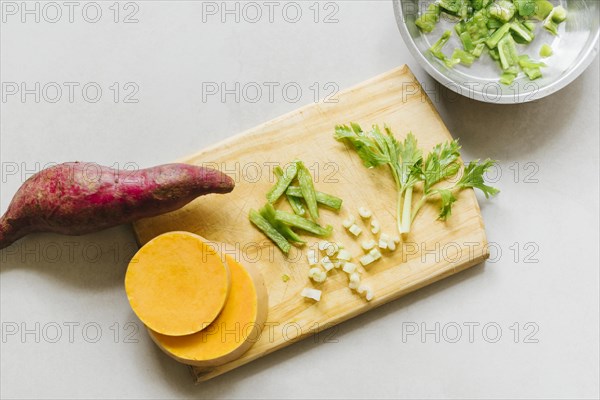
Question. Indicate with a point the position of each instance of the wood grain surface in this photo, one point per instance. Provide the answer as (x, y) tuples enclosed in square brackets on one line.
[(433, 250)]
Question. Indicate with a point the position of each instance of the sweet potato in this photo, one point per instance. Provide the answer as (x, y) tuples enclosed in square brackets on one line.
[(77, 198)]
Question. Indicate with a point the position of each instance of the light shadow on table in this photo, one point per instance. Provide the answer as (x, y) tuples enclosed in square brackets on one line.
[(516, 130), (92, 262), (182, 383)]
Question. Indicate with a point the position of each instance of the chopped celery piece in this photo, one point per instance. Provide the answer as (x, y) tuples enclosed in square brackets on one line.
[(478, 50), (559, 14), (465, 7), (288, 176), (268, 213), (507, 78), (426, 22), (507, 50), (493, 40), (503, 10), (530, 25), (436, 49), (459, 28), (477, 26), (451, 5), (556, 16), (463, 56), (451, 62), (308, 190), (551, 26), (322, 198), (493, 23), (494, 54), (545, 51), (531, 68), (295, 203), (268, 229), (467, 43), (302, 223), (521, 31), (479, 4), (538, 9)]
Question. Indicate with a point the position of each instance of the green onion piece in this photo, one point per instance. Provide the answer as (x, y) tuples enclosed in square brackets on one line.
[(269, 231), (464, 57), (426, 22), (322, 198), (308, 190), (502, 10), (282, 184), (546, 51), (268, 213), (302, 223), (493, 40)]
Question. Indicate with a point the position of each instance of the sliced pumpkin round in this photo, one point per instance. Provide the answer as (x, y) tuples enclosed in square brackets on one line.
[(233, 332), (177, 284)]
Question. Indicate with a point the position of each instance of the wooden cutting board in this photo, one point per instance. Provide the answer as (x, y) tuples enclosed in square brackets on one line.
[(432, 251)]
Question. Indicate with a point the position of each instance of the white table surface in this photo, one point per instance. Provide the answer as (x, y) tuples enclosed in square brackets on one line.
[(543, 275)]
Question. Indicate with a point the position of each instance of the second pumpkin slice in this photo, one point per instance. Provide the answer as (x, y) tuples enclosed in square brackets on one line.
[(177, 284)]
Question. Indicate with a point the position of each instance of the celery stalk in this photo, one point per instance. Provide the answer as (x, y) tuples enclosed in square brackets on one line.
[(436, 48), (493, 40)]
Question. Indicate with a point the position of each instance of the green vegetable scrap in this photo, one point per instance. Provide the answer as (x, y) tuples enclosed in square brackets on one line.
[(278, 225), (545, 51), (409, 168), (498, 25)]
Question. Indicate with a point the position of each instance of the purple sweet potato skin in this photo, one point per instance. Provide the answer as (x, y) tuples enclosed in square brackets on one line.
[(77, 198)]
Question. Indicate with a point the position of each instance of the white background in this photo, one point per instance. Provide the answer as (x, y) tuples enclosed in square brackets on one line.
[(544, 224)]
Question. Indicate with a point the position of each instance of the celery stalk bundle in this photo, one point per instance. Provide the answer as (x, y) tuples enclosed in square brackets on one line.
[(409, 168)]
